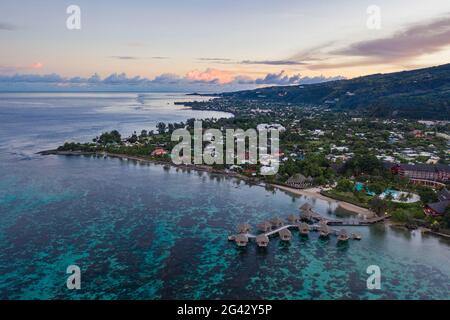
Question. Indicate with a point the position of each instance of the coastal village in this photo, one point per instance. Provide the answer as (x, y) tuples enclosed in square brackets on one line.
[(386, 167)]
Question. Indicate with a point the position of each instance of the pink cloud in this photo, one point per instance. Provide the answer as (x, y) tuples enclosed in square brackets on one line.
[(37, 65), (211, 75)]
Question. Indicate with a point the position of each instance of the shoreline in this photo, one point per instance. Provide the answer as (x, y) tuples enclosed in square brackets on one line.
[(312, 192), (315, 193)]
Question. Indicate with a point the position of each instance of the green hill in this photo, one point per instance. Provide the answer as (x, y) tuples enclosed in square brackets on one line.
[(416, 94)]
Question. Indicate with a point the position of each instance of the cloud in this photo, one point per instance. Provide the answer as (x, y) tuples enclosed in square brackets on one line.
[(16, 69), (167, 78), (312, 54), (209, 80), (282, 78), (211, 75), (7, 26), (37, 65), (8, 69), (255, 62), (214, 59), (137, 58), (32, 78), (121, 78), (273, 62), (411, 42), (125, 57)]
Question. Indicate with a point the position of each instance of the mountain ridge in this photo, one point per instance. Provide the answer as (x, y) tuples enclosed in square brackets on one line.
[(417, 94)]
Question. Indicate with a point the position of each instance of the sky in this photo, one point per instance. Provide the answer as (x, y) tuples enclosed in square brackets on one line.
[(212, 45)]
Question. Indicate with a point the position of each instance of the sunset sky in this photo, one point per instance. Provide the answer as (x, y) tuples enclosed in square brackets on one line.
[(246, 43)]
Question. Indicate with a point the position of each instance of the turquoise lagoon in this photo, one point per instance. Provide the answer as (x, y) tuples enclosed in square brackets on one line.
[(140, 231)]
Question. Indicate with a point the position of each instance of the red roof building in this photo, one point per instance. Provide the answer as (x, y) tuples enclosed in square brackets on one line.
[(159, 152)]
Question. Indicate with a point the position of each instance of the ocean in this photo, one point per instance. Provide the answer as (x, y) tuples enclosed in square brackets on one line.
[(142, 231)]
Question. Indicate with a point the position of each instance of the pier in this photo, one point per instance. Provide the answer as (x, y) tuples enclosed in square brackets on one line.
[(284, 232), (316, 223)]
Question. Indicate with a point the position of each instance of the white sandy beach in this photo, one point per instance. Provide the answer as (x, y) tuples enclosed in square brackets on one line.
[(315, 193)]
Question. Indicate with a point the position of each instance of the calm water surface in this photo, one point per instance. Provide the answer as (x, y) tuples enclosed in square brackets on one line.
[(142, 232)]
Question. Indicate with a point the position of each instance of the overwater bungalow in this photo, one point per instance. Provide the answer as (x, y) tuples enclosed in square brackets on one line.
[(241, 240), (292, 219), (306, 216), (355, 236), (285, 234), (243, 228), (304, 229), (343, 235), (265, 226), (306, 207), (277, 222), (262, 240)]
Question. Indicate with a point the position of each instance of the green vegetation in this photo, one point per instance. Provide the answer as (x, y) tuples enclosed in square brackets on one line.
[(108, 138), (336, 149), (416, 94)]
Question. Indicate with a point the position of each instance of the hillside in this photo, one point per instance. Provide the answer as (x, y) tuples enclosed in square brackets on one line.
[(416, 94)]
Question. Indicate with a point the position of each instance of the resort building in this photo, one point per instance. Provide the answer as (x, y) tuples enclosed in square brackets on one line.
[(299, 181), (426, 174)]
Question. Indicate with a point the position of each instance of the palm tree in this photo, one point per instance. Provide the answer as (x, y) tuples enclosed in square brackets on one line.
[(378, 206)]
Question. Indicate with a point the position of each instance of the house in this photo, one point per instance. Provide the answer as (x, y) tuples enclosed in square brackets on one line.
[(158, 152), (299, 181), (275, 126), (249, 172), (417, 133), (438, 208)]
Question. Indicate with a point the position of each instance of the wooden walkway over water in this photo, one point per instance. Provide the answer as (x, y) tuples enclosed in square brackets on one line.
[(317, 223), (272, 232)]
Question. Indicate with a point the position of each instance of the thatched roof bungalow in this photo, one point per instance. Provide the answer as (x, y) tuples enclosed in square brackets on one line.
[(265, 226), (285, 234), (243, 228), (355, 236), (277, 222), (241, 240), (262, 240), (303, 228), (306, 207), (343, 235), (306, 216), (299, 181), (292, 219)]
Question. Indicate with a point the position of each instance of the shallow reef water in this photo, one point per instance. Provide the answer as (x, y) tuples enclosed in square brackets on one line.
[(139, 231)]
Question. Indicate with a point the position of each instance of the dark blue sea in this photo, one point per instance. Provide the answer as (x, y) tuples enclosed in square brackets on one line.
[(144, 232)]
